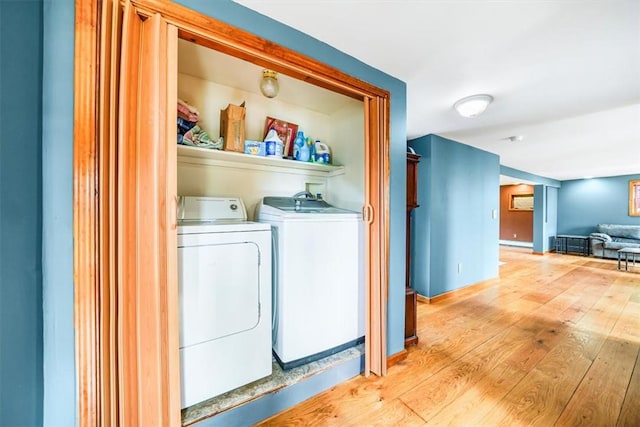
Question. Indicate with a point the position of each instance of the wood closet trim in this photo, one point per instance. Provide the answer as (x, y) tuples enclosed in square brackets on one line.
[(217, 35), (96, 317), (96, 63), (86, 253)]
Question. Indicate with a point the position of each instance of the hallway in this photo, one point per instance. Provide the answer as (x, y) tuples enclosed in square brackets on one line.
[(554, 341)]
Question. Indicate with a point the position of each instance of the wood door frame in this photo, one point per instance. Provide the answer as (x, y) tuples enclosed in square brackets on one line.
[(96, 265)]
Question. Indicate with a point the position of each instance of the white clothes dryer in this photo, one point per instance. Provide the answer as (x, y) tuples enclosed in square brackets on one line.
[(224, 277)]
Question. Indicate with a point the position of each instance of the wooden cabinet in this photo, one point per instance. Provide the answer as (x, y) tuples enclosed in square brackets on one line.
[(411, 312), (412, 180)]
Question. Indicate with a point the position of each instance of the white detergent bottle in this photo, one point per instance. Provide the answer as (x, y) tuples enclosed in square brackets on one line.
[(323, 155), (273, 144)]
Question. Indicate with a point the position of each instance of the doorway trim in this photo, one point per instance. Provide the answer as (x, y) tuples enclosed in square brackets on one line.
[(101, 211)]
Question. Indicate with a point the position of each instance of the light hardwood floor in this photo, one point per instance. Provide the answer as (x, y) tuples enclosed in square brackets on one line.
[(554, 341)]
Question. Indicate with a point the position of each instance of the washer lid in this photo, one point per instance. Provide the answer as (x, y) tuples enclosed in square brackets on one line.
[(194, 208), (304, 211)]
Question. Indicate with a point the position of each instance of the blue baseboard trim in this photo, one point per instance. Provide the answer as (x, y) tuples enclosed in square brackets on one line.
[(273, 403)]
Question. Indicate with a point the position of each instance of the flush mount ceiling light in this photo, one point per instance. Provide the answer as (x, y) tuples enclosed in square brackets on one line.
[(269, 83), (473, 106)]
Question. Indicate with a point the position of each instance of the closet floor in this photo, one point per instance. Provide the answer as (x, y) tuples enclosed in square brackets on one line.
[(276, 381)]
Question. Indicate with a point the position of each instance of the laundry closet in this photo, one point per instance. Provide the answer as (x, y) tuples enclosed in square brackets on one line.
[(209, 81), (131, 171)]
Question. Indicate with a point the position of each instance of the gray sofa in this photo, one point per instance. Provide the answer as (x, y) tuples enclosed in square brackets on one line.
[(608, 238)]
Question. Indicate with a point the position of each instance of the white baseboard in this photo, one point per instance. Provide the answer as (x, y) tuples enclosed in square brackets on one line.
[(514, 243)]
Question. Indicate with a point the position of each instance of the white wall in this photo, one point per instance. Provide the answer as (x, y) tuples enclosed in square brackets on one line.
[(343, 131), (347, 148), (251, 183)]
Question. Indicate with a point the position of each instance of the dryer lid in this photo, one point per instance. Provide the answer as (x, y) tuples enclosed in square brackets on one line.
[(195, 208)]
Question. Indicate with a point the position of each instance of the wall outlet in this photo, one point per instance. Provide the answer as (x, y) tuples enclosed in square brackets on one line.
[(494, 214), (459, 267)]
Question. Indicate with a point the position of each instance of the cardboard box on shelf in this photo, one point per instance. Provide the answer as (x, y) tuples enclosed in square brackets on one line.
[(232, 127)]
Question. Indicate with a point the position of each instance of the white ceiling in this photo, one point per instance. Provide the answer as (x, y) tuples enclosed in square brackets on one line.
[(565, 74), (207, 64)]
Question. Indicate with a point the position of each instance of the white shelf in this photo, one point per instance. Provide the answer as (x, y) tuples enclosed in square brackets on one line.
[(205, 156)]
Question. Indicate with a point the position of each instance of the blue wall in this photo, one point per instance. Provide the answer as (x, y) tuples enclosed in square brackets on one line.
[(60, 401), (21, 383), (585, 203), (455, 240), (57, 250), (545, 217), (551, 217)]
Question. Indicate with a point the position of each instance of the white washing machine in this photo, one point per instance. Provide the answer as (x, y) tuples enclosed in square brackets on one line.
[(224, 268), (318, 284)]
